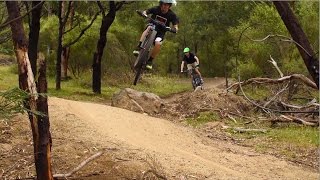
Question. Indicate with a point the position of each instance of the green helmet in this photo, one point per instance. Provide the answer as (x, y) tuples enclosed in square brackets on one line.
[(186, 50)]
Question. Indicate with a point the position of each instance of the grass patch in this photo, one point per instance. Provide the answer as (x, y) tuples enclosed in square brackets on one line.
[(293, 134), (301, 136), (203, 118), (257, 92), (162, 86), (8, 79), (80, 89), (75, 89)]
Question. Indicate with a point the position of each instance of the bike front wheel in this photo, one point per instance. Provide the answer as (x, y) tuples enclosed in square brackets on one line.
[(143, 56)]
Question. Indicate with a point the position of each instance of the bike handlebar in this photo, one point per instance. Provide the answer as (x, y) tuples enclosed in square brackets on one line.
[(167, 28)]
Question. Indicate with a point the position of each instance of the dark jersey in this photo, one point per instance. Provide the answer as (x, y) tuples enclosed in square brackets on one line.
[(190, 59), (169, 17)]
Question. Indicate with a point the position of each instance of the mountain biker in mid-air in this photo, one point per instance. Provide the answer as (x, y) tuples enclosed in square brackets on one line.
[(192, 61), (164, 14)]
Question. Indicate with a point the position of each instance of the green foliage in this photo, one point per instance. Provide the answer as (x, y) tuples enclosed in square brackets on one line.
[(248, 70), (11, 102), (294, 66), (48, 33), (168, 61), (308, 14), (203, 28), (8, 77), (264, 20), (6, 46), (210, 28), (48, 41), (257, 92)]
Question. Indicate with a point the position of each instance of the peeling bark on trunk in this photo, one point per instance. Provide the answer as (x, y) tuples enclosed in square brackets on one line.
[(297, 34), (45, 141), (107, 20), (26, 82)]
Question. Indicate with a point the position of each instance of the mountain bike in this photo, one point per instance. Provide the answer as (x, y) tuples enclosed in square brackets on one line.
[(146, 46), (195, 79)]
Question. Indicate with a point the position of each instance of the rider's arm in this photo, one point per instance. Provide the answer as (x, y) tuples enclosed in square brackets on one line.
[(182, 66), (197, 59), (144, 12)]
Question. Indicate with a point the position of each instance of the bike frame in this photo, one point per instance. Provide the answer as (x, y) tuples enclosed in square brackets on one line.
[(146, 47), (195, 78)]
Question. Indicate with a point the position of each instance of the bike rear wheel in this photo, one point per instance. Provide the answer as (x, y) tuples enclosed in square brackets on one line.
[(143, 56)]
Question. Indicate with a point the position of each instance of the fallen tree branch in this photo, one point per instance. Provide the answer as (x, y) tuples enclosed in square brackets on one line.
[(80, 166), (269, 109), (242, 130), (299, 107), (232, 118), (300, 77), (242, 116), (288, 118), (274, 97)]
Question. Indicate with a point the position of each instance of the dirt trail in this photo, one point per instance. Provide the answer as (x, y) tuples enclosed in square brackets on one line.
[(179, 149)]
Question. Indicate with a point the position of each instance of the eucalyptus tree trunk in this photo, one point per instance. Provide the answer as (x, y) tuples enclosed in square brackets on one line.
[(59, 49), (40, 127), (66, 50), (309, 57), (106, 22), (34, 35)]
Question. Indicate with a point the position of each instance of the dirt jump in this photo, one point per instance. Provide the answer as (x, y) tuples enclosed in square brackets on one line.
[(135, 144)]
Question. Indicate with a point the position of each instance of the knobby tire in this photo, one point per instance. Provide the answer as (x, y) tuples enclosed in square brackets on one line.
[(143, 56)]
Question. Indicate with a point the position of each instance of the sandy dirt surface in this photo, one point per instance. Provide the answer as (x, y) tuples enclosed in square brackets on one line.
[(177, 148), (80, 129)]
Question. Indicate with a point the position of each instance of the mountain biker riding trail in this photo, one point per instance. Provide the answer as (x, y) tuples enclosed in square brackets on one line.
[(164, 14), (192, 61)]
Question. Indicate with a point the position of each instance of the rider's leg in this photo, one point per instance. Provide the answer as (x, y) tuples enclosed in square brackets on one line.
[(190, 67), (156, 49), (198, 72), (155, 52), (143, 36)]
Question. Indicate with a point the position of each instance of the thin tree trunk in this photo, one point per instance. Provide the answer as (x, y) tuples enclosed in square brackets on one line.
[(59, 50), (27, 83), (34, 35), (66, 50), (107, 20), (45, 141), (297, 34)]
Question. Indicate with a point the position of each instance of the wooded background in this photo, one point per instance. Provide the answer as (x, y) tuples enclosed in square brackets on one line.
[(210, 28), (79, 38)]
